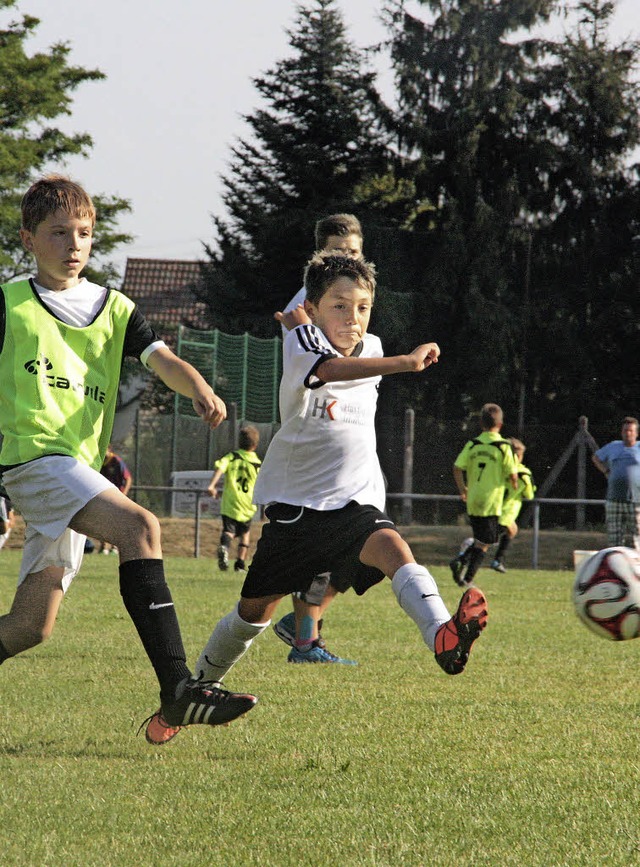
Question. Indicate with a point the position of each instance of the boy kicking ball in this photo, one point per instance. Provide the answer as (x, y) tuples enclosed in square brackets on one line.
[(62, 342), (323, 484)]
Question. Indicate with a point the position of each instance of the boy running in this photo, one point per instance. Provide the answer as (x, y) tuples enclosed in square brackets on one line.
[(482, 469), (240, 470), (322, 482), (63, 340), (337, 234), (511, 505)]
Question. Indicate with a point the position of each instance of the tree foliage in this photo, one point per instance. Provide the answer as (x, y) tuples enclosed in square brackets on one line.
[(520, 144), (496, 188), (313, 141), (35, 90)]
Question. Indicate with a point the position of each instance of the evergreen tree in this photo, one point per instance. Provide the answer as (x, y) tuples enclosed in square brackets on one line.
[(518, 144), (586, 300), (313, 142), (34, 90)]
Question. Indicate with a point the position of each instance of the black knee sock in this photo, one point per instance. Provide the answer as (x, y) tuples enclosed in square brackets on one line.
[(4, 654), (476, 556), (147, 598), (505, 541)]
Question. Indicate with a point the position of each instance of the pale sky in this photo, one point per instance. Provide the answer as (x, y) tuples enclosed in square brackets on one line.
[(178, 80)]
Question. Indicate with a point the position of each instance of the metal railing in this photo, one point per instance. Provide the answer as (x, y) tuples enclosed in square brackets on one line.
[(535, 504)]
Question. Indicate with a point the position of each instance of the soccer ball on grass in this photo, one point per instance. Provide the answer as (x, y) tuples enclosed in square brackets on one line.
[(606, 593)]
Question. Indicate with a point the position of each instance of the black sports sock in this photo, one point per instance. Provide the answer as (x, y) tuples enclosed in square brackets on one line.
[(147, 598), (4, 654), (505, 541), (476, 556)]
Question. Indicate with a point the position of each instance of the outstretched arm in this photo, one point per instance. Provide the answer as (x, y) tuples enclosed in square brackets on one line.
[(183, 378), (347, 368)]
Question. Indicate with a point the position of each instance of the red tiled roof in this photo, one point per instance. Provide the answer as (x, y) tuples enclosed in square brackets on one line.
[(163, 290)]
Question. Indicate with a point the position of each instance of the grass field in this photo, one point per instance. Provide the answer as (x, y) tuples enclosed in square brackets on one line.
[(529, 758)]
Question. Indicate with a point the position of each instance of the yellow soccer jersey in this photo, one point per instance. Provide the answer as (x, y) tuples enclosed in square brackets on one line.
[(512, 502), (240, 469), (488, 461)]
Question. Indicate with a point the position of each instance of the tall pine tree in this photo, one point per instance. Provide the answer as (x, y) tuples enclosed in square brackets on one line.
[(312, 143)]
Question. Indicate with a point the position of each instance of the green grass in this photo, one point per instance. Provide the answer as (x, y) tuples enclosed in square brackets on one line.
[(529, 758)]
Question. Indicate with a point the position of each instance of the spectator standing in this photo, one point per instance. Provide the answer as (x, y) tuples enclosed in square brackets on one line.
[(619, 460)]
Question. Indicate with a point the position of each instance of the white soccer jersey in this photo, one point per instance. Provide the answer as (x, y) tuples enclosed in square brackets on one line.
[(324, 454)]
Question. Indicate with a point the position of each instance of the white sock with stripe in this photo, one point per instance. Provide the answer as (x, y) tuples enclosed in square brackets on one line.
[(418, 596)]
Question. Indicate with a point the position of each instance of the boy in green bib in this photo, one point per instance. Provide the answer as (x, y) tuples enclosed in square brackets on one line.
[(62, 343)]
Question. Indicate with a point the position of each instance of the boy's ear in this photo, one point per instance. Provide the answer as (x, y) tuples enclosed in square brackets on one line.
[(309, 309), (27, 240)]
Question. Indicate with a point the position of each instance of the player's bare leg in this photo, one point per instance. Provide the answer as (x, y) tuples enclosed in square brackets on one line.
[(33, 612)]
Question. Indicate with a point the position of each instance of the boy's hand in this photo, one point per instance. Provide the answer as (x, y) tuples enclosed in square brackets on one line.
[(292, 318), (210, 408), (425, 355)]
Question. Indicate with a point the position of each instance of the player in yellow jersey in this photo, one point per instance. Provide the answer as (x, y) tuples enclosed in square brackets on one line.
[(240, 470), (511, 505), (481, 471)]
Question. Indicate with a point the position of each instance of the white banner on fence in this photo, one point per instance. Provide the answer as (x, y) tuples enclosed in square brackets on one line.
[(183, 503)]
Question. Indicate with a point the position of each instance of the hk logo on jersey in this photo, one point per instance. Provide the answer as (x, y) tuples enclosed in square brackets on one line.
[(40, 367), (324, 409)]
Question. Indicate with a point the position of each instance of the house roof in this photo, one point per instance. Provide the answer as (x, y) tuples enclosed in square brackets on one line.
[(163, 290)]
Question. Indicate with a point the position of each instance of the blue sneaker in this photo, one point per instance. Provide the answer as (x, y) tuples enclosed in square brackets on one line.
[(285, 629), (317, 654)]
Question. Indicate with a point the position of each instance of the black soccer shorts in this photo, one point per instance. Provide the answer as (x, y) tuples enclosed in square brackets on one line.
[(299, 543), (485, 528)]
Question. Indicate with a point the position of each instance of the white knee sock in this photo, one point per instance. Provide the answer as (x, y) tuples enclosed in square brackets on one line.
[(228, 643), (418, 595)]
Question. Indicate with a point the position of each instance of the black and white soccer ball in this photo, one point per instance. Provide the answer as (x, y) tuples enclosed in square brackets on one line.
[(606, 593)]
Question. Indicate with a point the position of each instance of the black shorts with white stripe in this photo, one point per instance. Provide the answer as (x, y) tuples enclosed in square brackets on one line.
[(299, 543)]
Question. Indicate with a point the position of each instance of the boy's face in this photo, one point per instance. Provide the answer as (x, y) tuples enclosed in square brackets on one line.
[(342, 314), (345, 245), (61, 245)]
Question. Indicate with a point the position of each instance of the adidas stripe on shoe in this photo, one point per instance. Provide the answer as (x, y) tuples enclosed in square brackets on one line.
[(455, 637), (197, 704)]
